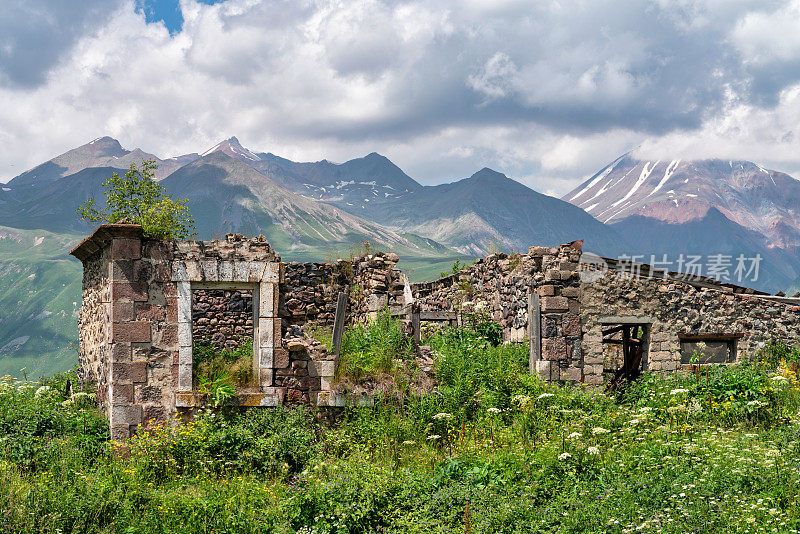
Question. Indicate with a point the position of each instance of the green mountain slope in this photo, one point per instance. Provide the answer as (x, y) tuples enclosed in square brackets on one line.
[(40, 291)]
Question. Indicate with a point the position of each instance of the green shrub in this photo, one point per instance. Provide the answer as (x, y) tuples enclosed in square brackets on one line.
[(371, 349), (728, 395), (273, 442), (234, 367), (37, 420)]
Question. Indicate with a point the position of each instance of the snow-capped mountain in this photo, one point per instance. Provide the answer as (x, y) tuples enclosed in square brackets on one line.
[(676, 192), (700, 207)]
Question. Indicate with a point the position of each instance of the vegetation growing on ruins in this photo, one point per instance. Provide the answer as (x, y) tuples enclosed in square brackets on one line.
[(217, 371), (374, 349), (138, 198), (492, 449)]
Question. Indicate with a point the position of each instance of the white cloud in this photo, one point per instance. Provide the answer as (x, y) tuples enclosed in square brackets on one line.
[(547, 92)]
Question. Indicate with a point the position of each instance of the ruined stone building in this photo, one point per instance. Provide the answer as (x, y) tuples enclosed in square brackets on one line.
[(146, 303)]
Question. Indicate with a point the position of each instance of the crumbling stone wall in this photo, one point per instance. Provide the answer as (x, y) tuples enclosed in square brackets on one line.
[(94, 323), (222, 317), (504, 283), (372, 281), (138, 324), (571, 312), (310, 291), (675, 308), (377, 285)]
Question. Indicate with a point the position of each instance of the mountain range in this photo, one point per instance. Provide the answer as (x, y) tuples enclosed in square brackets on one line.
[(321, 210), (704, 208)]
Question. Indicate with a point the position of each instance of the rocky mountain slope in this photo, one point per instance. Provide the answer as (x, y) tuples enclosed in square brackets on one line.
[(226, 194), (355, 182), (677, 191), (102, 152), (701, 207), (489, 210)]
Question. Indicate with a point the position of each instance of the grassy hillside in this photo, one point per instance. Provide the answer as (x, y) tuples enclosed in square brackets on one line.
[(39, 302)]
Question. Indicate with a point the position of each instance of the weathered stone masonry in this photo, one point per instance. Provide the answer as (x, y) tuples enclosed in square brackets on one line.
[(573, 313), (137, 326)]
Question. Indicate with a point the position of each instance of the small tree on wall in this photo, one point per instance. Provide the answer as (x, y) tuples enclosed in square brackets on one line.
[(137, 198)]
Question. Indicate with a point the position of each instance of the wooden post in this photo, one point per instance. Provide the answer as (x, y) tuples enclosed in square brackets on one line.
[(534, 330), (338, 323), (415, 324)]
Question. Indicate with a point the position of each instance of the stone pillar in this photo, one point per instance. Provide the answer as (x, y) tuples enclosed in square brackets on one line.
[(126, 372), (559, 292), (268, 325)]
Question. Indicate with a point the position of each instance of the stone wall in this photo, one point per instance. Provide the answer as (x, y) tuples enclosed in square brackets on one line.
[(310, 290), (94, 326), (572, 313), (503, 283), (222, 317), (673, 308), (138, 324)]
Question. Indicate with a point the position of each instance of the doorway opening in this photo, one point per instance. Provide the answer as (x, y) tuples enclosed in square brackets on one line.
[(624, 352), (223, 326)]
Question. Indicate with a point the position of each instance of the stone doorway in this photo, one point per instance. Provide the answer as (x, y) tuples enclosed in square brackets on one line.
[(223, 337)]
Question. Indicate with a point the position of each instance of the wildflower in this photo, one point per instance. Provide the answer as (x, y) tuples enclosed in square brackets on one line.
[(645, 409), (564, 456), (41, 392), (779, 378), (409, 442), (599, 430), (594, 451), (756, 403), (676, 409), (442, 416), (521, 400), (545, 395), (494, 410), (434, 437), (574, 435), (678, 391)]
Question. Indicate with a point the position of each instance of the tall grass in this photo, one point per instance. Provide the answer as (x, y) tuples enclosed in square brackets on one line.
[(490, 449), (373, 348)]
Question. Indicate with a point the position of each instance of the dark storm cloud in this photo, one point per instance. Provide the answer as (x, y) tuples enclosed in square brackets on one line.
[(35, 34)]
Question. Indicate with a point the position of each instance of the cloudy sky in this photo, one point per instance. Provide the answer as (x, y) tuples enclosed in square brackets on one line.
[(546, 91)]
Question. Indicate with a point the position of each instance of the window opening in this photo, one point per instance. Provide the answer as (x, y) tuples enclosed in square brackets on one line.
[(708, 349), (623, 352)]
